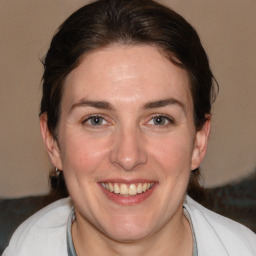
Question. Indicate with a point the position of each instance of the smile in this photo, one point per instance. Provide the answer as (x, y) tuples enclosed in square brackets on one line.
[(127, 189)]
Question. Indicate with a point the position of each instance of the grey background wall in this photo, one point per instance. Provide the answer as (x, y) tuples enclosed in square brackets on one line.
[(228, 32)]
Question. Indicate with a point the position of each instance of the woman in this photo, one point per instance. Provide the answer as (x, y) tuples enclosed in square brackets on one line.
[(125, 117)]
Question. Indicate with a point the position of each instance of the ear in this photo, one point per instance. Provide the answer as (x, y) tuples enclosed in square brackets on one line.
[(200, 145), (50, 143)]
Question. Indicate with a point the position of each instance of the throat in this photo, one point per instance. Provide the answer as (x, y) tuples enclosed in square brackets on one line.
[(87, 240)]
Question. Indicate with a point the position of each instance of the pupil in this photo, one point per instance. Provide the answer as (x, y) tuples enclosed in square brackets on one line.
[(158, 120), (96, 120)]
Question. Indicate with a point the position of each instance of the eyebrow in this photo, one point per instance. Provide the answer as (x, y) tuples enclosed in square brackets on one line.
[(163, 103), (90, 103), (107, 106)]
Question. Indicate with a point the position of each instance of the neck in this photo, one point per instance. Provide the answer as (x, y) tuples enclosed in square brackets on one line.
[(175, 238)]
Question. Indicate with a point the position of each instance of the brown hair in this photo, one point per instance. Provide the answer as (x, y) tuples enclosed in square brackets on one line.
[(132, 22)]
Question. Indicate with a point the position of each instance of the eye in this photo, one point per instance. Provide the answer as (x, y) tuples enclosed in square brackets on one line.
[(95, 121), (160, 120)]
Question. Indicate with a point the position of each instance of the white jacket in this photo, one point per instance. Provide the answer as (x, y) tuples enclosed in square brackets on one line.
[(44, 233)]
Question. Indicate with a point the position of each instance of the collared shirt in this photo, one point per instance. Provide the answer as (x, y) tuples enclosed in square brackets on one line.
[(45, 233), (70, 244), (72, 217)]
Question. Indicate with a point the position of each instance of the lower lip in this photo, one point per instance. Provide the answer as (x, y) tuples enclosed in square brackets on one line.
[(128, 200)]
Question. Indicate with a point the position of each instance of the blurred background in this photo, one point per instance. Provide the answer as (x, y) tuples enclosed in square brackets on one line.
[(228, 32)]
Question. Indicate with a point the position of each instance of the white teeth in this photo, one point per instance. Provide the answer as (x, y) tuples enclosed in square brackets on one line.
[(116, 189), (111, 188), (124, 189), (139, 188), (132, 190)]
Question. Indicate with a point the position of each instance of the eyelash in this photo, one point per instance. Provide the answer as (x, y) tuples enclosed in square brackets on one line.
[(91, 118), (159, 126), (162, 116)]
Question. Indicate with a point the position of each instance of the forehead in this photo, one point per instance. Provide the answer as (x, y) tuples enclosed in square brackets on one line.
[(126, 74)]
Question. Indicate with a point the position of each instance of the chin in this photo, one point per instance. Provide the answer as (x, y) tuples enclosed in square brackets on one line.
[(128, 230), (128, 234)]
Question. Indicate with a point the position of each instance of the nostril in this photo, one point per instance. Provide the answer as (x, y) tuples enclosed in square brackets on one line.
[(128, 154)]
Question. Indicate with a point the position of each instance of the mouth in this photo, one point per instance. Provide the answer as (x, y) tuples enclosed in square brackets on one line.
[(128, 193), (123, 189)]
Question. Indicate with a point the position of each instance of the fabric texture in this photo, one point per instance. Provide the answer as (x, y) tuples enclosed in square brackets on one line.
[(186, 213), (45, 233), (70, 244)]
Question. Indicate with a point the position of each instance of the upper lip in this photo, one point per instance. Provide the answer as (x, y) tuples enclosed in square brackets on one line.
[(127, 181)]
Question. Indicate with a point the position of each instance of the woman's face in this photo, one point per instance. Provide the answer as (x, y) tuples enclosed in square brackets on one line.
[(127, 141)]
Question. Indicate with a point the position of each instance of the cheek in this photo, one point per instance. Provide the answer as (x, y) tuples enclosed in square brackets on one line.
[(82, 155), (173, 154)]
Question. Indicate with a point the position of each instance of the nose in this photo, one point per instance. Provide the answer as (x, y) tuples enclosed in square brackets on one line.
[(128, 150)]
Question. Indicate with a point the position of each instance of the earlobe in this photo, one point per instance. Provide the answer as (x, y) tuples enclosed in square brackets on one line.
[(200, 145), (50, 142)]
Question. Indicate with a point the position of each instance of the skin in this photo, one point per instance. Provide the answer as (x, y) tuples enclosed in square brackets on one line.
[(127, 145)]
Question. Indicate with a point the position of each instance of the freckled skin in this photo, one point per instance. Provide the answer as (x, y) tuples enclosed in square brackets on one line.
[(128, 145)]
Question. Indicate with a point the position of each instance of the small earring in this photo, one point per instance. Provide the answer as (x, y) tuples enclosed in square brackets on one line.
[(57, 171)]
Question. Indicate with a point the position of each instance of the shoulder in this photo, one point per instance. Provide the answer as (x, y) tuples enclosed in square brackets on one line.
[(218, 235), (43, 233)]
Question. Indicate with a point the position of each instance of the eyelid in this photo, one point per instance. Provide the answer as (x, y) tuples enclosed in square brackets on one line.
[(87, 118), (91, 116), (170, 120)]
